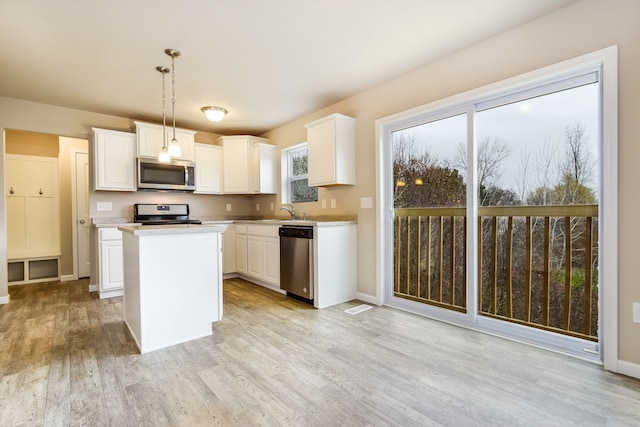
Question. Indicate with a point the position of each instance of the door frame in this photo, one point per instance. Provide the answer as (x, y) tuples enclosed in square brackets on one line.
[(607, 60)]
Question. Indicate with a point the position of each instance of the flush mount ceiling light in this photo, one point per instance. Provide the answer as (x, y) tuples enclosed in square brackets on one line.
[(174, 146), (163, 155), (215, 114)]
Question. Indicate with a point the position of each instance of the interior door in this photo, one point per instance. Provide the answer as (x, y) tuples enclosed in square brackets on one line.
[(82, 213)]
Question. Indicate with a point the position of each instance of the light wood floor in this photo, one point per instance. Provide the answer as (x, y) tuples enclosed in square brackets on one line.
[(67, 359)]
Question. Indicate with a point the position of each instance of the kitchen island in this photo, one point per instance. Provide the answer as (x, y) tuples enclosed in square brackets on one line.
[(172, 283)]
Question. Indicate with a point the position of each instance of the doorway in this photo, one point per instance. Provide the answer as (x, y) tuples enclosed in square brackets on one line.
[(63, 150)]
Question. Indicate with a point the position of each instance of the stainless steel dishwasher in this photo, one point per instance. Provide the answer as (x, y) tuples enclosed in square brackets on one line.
[(296, 261)]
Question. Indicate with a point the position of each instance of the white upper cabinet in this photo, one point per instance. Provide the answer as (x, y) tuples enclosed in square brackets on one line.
[(150, 140), (332, 151), (263, 168), (114, 160), (208, 160), (249, 165)]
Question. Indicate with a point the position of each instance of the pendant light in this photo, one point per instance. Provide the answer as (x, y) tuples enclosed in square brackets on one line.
[(174, 146), (163, 155)]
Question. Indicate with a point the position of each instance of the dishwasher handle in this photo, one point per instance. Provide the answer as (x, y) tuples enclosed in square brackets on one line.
[(296, 232)]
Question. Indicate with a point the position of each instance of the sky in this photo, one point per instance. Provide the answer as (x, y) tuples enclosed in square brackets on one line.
[(533, 128)]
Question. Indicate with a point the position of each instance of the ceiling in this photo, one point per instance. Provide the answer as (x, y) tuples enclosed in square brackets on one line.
[(266, 61)]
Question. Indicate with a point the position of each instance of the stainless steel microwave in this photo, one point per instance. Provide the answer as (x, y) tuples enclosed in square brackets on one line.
[(174, 176)]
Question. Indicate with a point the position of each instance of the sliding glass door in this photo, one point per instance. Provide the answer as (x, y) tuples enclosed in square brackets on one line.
[(495, 212)]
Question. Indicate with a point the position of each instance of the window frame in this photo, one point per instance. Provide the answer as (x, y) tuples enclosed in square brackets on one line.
[(287, 173)]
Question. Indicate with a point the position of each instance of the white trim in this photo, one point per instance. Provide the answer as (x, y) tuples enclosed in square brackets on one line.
[(74, 216), (367, 298), (629, 369), (5, 299), (583, 349), (262, 283), (607, 60), (111, 293), (93, 288), (608, 329), (472, 214), (285, 193), (68, 278)]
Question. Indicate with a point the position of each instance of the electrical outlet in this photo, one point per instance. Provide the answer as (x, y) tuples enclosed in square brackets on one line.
[(636, 312), (228, 207), (104, 206), (271, 206), (333, 203), (324, 203), (366, 202), (258, 207)]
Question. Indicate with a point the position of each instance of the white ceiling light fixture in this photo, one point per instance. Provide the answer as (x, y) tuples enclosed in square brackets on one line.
[(163, 155), (174, 146), (215, 114)]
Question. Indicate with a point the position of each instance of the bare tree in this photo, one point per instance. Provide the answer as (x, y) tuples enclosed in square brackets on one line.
[(578, 167), (491, 153), (522, 179)]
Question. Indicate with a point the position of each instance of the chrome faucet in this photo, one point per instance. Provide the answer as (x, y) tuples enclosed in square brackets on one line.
[(289, 208)]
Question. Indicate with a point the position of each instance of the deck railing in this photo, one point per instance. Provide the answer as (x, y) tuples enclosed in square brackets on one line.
[(537, 265)]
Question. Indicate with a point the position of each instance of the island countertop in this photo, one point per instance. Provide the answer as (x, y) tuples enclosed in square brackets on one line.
[(149, 230)]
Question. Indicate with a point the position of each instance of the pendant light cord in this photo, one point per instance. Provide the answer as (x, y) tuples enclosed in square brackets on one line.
[(164, 117), (173, 93)]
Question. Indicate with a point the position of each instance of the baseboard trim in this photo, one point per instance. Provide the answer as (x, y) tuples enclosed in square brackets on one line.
[(5, 299), (68, 278), (260, 283), (93, 288), (629, 369), (111, 293), (367, 298)]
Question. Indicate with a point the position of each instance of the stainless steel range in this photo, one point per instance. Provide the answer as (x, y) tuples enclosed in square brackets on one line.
[(162, 214)]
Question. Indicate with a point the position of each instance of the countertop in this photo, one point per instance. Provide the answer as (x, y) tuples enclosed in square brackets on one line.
[(149, 230), (318, 221), (295, 222)]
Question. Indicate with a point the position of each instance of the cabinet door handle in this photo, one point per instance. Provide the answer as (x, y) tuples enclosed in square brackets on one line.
[(11, 190)]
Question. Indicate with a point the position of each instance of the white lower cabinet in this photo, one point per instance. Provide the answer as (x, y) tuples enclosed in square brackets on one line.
[(335, 257), (241, 248), (271, 256), (258, 253), (110, 262), (255, 261), (229, 250)]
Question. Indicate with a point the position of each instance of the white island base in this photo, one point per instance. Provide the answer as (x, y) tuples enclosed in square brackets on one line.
[(172, 283)]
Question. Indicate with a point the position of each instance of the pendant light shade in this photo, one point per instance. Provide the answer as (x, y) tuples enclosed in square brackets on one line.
[(215, 114), (163, 155), (174, 149)]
